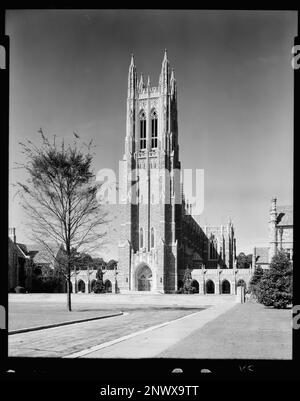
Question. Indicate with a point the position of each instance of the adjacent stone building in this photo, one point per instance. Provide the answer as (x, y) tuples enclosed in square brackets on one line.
[(159, 238), (20, 264), (281, 231)]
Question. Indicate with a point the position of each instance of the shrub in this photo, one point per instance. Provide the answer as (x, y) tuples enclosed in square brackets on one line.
[(37, 284), (187, 282), (99, 287), (276, 285), (256, 278), (19, 289), (49, 284)]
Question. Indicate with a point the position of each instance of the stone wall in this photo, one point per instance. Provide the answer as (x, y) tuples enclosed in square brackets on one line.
[(85, 280), (219, 276)]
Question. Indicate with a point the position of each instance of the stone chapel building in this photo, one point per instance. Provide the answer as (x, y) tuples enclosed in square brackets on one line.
[(159, 238)]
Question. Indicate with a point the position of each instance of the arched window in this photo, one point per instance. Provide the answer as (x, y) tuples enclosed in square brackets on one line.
[(142, 130), (153, 129), (213, 254), (152, 237), (141, 238)]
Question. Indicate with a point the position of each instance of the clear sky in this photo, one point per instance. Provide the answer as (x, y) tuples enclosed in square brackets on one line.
[(235, 97)]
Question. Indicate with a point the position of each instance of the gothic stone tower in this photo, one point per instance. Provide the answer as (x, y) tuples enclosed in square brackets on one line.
[(273, 229), (148, 246)]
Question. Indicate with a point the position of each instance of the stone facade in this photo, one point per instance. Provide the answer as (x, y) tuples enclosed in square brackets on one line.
[(281, 229), (159, 238), (281, 232), (20, 264)]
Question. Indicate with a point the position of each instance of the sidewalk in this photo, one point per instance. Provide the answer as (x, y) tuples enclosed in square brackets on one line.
[(248, 331), (148, 343)]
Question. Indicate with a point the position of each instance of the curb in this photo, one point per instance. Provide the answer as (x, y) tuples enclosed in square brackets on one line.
[(49, 326)]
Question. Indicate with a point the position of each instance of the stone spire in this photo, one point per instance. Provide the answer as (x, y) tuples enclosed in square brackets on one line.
[(273, 229), (165, 56), (273, 205), (164, 74), (132, 78), (141, 83), (254, 258), (173, 85), (132, 60)]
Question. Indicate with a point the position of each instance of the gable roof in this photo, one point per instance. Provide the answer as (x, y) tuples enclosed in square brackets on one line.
[(19, 249), (23, 248), (285, 215), (40, 254), (262, 255)]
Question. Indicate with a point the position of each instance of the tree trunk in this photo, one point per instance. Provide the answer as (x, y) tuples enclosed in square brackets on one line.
[(69, 291)]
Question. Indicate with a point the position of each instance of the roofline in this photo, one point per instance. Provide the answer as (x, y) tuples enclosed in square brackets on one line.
[(25, 256)]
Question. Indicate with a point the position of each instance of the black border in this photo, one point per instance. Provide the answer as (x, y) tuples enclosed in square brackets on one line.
[(126, 372)]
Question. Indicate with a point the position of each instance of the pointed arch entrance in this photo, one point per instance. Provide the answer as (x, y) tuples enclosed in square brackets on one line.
[(226, 287), (210, 287), (143, 277)]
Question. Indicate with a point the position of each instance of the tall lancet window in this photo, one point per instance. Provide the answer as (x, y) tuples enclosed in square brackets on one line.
[(141, 238), (142, 130), (152, 237), (213, 245), (153, 129)]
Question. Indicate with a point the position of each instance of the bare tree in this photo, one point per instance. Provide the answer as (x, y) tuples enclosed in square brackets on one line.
[(59, 197)]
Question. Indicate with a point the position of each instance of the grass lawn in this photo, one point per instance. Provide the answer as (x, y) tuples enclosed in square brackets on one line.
[(31, 315)]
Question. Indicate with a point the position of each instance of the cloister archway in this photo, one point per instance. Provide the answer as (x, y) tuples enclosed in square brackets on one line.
[(180, 284), (108, 286), (81, 286), (242, 283), (210, 287), (143, 277), (225, 287), (93, 283), (195, 285)]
